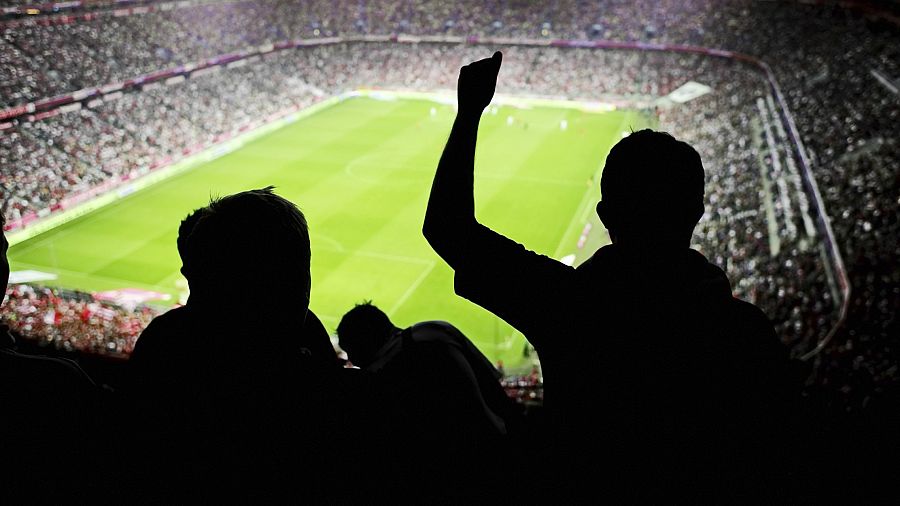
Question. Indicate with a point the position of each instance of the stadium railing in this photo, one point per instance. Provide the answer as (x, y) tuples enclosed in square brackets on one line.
[(76, 206)]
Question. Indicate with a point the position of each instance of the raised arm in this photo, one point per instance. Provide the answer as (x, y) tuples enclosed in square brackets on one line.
[(450, 217)]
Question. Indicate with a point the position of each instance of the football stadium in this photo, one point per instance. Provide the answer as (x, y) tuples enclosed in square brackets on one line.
[(387, 148), (119, 119)]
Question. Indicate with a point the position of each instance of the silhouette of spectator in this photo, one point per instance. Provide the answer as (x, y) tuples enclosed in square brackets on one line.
[(375, 344), (49, 407), (442, 413), (236, 395), (687, 386)]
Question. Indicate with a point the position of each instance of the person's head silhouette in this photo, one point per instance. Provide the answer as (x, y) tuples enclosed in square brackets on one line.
[(363, 331), (652, 191), (184, 232), (253, 244)]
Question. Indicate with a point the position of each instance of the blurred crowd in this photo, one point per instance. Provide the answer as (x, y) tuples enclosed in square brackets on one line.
[(131, 133), (840, 96), (63, 57), (73, 321)]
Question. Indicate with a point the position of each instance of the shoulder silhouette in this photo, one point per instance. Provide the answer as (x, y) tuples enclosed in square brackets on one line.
[(237, 388), (682, 375), (440, 412), (50, 416)]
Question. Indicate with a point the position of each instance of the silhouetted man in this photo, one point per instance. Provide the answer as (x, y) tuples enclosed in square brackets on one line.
[(439, 412), (659, 382), (48, 415), (235, 389)]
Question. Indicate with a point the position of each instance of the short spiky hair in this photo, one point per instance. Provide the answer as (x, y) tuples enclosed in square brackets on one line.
[(363, 330), (364, 317)]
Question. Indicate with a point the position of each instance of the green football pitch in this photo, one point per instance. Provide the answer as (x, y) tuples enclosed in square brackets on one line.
[(361, 171)]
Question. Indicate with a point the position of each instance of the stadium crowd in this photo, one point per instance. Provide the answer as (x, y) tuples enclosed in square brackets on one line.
[(73, 321), (852, 143), (128, 134), (204, 109), (47, 60)]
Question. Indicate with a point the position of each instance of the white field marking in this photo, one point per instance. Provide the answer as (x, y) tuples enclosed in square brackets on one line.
[(479, 175), (123, 282), (30, 276), (126, 253), (328, 318), (87, 218), (505, 344), (412, 288), (587, 209), (49, 237), (373, 159), (581, 212), (585, 200), (583, 207), (330, 240), (530, 179), (177, 280), (380, 256), (350, 167)]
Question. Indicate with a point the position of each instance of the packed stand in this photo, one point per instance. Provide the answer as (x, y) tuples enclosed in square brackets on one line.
[(788, 280), (73, 321), (850, 142), (129, 133), (213, 104), (525, 389), (847, 118)]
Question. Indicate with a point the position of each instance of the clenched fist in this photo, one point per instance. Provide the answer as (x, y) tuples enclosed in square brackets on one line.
[(477, 82)]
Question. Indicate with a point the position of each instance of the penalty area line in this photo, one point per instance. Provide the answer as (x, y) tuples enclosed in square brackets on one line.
[(582, 212), (412, 288)]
